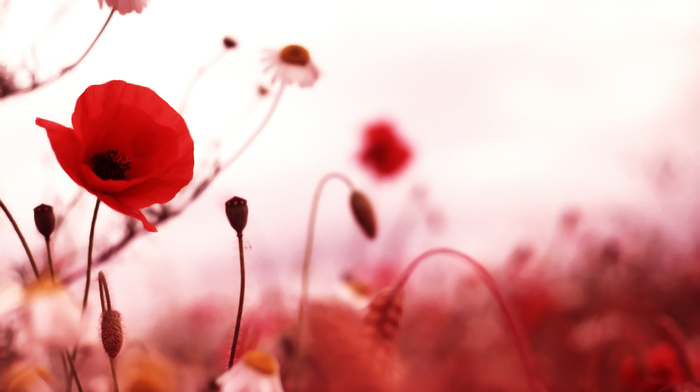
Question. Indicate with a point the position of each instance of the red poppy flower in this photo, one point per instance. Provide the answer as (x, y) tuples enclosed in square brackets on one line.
[(383, 151), (128, 147)]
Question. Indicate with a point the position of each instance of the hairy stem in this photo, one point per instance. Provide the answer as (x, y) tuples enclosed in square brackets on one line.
[(114, 375)]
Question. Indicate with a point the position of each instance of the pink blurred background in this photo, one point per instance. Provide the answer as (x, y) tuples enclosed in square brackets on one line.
[(515, 110)]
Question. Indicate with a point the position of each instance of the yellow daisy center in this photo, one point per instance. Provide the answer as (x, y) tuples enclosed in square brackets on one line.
[(261, 362), (295, 55), (43, 286), (358, 287)]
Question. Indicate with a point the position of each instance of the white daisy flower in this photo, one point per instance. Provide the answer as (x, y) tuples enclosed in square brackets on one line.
[(291, 65), (51, 315), (257, 371)]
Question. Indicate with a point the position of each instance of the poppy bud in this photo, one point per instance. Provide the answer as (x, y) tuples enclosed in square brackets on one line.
[(111, 332), (230, 43), (364, 213), (237, 213), (44, 219)]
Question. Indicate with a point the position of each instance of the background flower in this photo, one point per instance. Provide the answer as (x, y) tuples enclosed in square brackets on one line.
[(126, 6), (383, 151), (291, 65), (128, 147)]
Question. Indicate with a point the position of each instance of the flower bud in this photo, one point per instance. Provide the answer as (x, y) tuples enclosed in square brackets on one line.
[(237, 213), (111, 332), (44, 219), (364, 213), (229, 43)]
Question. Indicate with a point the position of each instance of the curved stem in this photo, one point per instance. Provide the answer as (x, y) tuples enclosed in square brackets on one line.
[(49, 259), (89, 259), (255, 134), (306, 265), (490, 282), (67, 69), (21, 238), (241, 297), (105, 301)]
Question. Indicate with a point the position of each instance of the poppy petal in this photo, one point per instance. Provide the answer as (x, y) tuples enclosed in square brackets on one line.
[(134, 213), (66, 147)]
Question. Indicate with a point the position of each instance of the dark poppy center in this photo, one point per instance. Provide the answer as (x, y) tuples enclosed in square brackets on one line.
[(110, 165)]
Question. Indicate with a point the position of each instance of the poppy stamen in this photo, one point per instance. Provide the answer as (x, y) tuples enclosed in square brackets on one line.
[(110, 165)]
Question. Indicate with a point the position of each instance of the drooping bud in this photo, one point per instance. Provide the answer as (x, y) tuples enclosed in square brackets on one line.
[(364, 213), (237, 213), (111, 332), (44, 219), (230, 43)]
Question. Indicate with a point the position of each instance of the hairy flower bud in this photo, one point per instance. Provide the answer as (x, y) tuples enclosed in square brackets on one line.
[(44, 219), (237, 213), (111, 332), (364, 213)]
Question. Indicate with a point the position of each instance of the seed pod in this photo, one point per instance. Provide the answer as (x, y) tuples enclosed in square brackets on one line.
[(237, 213), (229, 43), (364, 213), (111, 332), (44, 219)]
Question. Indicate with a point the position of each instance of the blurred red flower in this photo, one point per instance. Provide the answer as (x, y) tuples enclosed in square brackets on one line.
[(125, 6), (128, 147), (383, 151)]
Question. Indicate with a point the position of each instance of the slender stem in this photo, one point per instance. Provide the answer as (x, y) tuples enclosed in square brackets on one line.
[(66, 371), (48, 255), (89, 259), (306, 265), (114, 375), (91, 45), (75, 373), (67, 69), (197, 77), (255, 134), (21, 238), (241, 297), (490, 282)]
